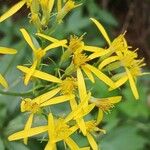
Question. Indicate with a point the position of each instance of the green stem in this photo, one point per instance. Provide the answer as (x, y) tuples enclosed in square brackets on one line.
[(16, 94)]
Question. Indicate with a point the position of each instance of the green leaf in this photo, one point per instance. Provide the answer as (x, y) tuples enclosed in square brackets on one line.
[(123, 138)]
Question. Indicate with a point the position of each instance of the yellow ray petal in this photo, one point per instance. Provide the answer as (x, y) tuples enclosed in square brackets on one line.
[(40, 74), (24, 134), (88, 73), (57, 100), (28, 126), (99, 116), (108, 61), (5, 50), (102, 30), (101, 76), (86, 111), (81, 85), (28, 39), (44, 97), (82, 125), (49, 38), (93, 49), (50, 146), (59, 5), (98, 54), (50, 5), (12, 10), (72, 145), (120, 82), (51, 127), (30, 73), (92, 141), (132, 84), (73, 104), (55, 45), (3, 82)]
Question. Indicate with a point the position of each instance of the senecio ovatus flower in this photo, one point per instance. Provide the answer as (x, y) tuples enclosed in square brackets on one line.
[(122, 57), (5, 50)]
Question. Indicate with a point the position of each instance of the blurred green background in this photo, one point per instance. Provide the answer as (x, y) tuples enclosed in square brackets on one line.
[(128, 125)]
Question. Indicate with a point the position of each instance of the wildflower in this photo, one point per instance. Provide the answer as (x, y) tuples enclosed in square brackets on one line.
[(38, 52), (91, 127), (124, 58), (57, 129), (5, 50), (118, 45), (63, 11), (47, 6), (35, 106), (14, 9), (80, 62), (105, 104)]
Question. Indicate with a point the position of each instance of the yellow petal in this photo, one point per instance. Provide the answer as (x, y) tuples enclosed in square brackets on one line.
[(93, 49), (108, 61), (51, 127), (82, 125), (49, 38), (59, 5), (28, 126), (88, 73), (85, 111), (81, 85), (50, 5), (101, 76), (71, 144), (57, 100), (132, 84), (102, 30), (5, 50), (44, 97), (40, 74), (92, 141), (73, 104), (3, 82), (30, 73), (98, 54), (49, 146), (28, 38), (120, 82), (85, 148), (12, 10), (24, 134), (99, 116), (56, 44)]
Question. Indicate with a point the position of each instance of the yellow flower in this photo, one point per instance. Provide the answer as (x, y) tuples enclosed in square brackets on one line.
[(5, 50), (80, 60), (15, 8), (124, 58), (38, 52), (91, 127), (105, 104), (47, 6), (35, 105), (63, 11), (58, 130)]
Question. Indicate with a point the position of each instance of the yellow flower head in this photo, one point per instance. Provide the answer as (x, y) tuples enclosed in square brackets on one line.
[(68, 86), (80, 59), (63, 11), (105, 104), (76, 44), (28, 106)]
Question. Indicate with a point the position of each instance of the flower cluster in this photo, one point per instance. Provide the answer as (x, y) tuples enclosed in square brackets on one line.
[(69, 86)]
